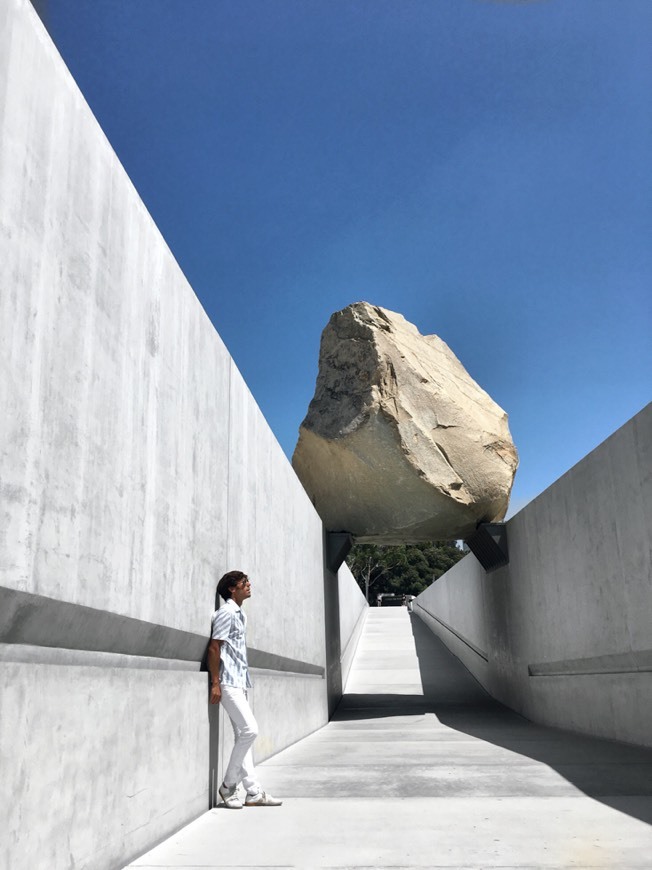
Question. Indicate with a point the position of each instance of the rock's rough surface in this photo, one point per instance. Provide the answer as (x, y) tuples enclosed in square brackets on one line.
[(400, 444)]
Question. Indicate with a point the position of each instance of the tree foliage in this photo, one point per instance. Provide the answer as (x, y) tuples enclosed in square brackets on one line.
[(406, 569)]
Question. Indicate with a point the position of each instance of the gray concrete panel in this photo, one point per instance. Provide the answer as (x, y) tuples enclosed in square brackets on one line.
[(567, 622), (287, 708), (135, 469), (466, 651), (275, 535), (240, 455), (97, 763), (352, 602), (111, 429), (290, 547), (463, 610), (332, 636), (353, 612)]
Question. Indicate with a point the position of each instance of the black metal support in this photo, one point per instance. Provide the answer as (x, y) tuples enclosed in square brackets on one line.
[(338, 545), (489, 545)]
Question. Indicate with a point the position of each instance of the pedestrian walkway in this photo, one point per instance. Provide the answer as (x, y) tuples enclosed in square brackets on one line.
[(420, 768)]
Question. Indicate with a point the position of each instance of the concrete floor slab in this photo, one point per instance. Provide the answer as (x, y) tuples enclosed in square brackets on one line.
[(417, 832), (412, 781)]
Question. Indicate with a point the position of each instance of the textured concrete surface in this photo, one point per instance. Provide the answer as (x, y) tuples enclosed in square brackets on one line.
[(428, 771), (353, 611), (135, 468), (563, 633), (135, 464), (91, 755)]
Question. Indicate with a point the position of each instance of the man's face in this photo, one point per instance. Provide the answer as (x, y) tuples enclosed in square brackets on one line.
[(241, 591)]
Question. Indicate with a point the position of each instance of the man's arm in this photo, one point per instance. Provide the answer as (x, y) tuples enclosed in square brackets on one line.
[(214, 653)]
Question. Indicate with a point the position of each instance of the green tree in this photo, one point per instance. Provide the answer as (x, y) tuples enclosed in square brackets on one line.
[(370, 563), (405, 569)]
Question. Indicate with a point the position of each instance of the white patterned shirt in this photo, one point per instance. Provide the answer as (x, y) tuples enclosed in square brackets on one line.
[(229, 624)]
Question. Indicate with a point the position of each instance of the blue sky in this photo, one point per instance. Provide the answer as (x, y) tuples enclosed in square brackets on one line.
[(482, 167)]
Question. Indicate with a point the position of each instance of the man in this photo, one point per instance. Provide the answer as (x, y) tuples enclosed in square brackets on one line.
[(227, 663)]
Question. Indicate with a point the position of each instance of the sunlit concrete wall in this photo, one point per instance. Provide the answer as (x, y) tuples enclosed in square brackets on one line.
[(135, 468), (353, 612), (563, 634)]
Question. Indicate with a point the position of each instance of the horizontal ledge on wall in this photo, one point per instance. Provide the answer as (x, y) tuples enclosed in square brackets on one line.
[(466, 641), (266, 661), (270, 672), (46, 655), (638, 662), (36, 620), (35, 628)]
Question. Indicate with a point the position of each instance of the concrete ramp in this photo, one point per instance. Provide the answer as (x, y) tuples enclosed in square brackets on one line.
[(421, 768), (386, 662)]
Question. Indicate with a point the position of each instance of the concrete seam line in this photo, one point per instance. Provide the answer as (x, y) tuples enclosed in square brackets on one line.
[(471, 646), (36, 622), (19, 653), (636, 662), (357, 627), (262, 660), (269, 672)]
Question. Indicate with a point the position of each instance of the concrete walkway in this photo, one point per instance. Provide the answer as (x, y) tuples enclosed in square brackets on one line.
[(420, 768)]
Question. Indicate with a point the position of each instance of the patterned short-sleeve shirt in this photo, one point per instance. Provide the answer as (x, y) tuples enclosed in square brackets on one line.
[(229, 624)]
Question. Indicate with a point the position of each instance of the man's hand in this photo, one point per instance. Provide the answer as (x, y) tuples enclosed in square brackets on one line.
[(214, 670)]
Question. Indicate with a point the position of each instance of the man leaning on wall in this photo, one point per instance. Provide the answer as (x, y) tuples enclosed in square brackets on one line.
[(230, 682)]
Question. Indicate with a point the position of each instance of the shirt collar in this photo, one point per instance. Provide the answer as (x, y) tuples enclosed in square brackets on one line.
[(230, 603)]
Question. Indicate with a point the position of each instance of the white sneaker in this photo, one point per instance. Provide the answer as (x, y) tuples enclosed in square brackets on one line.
[(230, 797), (262, 799)]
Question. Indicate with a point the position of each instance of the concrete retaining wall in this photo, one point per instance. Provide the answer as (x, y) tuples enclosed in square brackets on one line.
[(563, 634), (353, 612), (135, 468)]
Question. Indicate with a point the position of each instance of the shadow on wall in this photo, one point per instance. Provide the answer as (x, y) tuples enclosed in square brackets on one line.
[(616, 774), (213, 713), (332, 638), (213, 752)]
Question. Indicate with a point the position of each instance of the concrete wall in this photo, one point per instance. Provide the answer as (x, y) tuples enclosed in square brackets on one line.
[(563, 634), (135, 468), (353, 612)]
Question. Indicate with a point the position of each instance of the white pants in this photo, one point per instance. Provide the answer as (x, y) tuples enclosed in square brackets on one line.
[(245, 731)]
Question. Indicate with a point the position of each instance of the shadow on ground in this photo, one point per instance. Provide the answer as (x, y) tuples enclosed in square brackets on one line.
[(616, 774)]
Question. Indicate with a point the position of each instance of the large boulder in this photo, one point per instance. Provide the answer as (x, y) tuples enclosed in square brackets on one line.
[(400, 444)]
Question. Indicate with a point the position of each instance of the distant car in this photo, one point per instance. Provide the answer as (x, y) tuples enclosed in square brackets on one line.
[(390, 600)]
